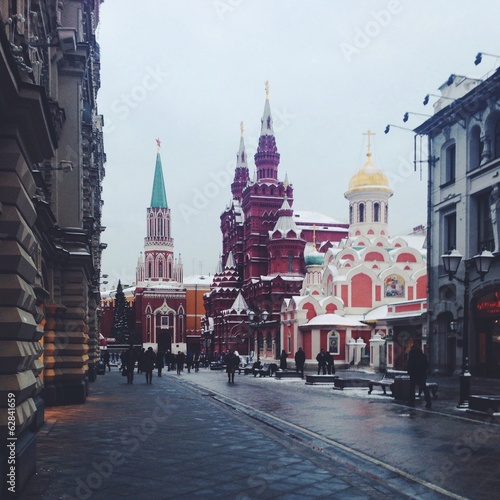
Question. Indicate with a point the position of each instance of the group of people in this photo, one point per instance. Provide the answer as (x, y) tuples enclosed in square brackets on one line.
[(147, 360)]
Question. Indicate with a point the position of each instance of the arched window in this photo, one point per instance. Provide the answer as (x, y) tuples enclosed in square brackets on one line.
[(386, 214), (350, 214), (475, 148), (361, 212), (451, 164), (160, 225), (333, 342), (150, 269), (496, 144), (376, 212), (160, 269), (290, 263)]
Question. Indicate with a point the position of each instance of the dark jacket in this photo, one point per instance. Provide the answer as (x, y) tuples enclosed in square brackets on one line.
[(321, 359), (300, 358), (232, 362), (148, 360), (283, 358), (417, 364)]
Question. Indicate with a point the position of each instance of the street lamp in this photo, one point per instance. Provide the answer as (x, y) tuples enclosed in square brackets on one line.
[(451, 261), (260, 319)]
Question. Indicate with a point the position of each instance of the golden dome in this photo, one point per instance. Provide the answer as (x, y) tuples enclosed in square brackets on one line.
[(369, 177)]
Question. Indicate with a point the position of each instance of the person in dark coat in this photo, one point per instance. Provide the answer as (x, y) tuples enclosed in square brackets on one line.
[(232, 362), (189, 361), (148, 364), (283, 357), (321, 359), (330, 367), (129, 359), (300, 360), (107, 359), (160, 362), (417, 367), (180, 359)]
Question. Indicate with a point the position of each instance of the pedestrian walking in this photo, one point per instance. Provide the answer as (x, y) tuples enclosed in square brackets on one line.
[(196, 361), (148, 364), (321, 359), (180, 360), (107, 359), (129, 359), (232, 362), (417, 367), (160, 362), (189, 361), (283, 357), (300, 359), (330, 366), (140, 360)]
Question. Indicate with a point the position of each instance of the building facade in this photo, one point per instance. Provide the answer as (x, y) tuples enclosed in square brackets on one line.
[(262, 260), (51, 168), (364, 299), (463, 213)]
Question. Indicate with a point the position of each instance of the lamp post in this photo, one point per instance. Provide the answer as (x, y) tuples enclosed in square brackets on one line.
[(451, 261), (261, 319)]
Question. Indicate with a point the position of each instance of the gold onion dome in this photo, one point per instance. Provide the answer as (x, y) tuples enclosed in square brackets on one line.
[(369, 177)]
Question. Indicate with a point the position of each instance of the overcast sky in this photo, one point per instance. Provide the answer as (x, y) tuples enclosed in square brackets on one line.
[(188, 72)]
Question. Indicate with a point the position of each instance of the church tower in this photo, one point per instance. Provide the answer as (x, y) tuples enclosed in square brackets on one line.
[(368, 197), (158, 245), (262, 198)]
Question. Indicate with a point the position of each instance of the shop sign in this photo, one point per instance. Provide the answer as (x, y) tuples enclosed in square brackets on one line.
[(488, 305)]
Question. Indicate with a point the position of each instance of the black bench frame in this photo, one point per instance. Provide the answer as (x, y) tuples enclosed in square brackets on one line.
[(387, 381)]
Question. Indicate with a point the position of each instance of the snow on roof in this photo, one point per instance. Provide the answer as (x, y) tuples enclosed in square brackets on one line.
[(336, 320), (198, 279), (304, 217)]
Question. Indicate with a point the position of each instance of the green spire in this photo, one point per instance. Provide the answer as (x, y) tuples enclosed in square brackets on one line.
[(159, 196)]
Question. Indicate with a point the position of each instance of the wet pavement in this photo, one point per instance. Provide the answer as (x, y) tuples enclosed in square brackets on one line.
[(196, 435)]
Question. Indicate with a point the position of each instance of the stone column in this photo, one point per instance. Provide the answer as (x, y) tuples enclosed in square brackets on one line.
[(376, 342)]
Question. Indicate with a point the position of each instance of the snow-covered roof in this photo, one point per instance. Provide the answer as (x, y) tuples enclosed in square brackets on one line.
[(336, 320), (198, 279), (309, 217)]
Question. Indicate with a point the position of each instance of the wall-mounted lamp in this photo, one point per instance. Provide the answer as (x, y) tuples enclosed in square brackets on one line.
[(408, 113), (426, 98), (479, 57), (454, 326), (388, 128)]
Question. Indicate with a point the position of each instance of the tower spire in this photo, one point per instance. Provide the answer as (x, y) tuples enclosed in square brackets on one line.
[(267, 157), (241, 175), (159, 195)]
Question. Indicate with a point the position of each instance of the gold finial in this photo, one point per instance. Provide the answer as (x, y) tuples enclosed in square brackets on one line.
[(242, 129), (267, 89), (158, 144), (369, 134)]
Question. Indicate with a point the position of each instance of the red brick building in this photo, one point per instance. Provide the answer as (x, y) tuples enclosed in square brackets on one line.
[(262, 260)]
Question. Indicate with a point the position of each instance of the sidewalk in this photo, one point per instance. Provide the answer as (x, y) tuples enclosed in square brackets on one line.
[(168, 441)]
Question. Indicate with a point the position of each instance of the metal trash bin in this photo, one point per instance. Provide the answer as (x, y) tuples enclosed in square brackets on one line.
[(402, 387)]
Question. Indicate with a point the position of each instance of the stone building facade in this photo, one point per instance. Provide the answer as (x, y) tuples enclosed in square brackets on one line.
[(51, 167), (464, 214)]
